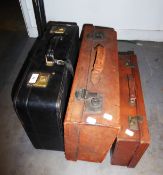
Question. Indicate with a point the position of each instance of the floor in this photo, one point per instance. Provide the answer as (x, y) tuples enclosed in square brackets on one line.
[(17, 155)]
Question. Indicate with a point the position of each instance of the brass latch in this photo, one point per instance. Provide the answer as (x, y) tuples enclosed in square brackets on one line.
[(96, 36), (93, 100), (57, 30), (134, 122), (51, 61)]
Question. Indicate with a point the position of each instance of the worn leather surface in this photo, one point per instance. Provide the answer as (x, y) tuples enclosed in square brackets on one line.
[(88, 135), (41, 110), (128, 149)]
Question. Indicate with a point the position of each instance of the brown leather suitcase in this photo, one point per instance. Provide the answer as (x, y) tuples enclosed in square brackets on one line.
[(133, 138), (92, 119)]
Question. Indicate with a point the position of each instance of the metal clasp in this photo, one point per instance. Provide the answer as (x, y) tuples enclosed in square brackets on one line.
[(59, 62), (57, 30), (50, 61), (96, 36), (128, 63), (134, 122), (93, 100)]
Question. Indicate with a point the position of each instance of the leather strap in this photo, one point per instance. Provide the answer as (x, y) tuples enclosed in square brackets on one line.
[(98, 64), (132, 92)]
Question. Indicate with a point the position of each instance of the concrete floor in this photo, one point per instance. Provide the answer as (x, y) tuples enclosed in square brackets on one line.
[(17, 155)]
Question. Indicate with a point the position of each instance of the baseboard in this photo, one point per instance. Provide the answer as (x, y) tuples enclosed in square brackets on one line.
[(145, 35), (123, 34), (127, 34), (29, 19), (32, 32)]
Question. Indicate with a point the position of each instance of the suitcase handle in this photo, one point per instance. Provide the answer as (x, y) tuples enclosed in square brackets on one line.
[(132, 92), (98, 64)]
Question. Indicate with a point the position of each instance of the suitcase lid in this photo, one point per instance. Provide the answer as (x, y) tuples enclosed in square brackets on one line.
[(95, 95), (134, 126), (44, 73)]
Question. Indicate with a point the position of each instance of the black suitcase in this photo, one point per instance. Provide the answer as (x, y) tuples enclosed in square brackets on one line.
[(40, 93)]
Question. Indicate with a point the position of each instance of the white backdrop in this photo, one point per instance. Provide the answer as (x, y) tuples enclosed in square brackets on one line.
[(133, 19)]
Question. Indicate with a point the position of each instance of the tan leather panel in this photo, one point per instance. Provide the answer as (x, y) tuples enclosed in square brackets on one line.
[(96, 72), (132, 146)]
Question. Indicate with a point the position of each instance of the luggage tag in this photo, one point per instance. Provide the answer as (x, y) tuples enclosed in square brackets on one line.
[(129, 132), (107, 116), (91, 120), (39, 80)]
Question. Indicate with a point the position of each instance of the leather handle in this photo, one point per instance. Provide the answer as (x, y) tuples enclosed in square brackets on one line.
[(132, 92), (98, 64)]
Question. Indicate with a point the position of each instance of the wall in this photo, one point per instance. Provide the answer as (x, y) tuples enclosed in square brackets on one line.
[(29, 18), (133, 20)]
